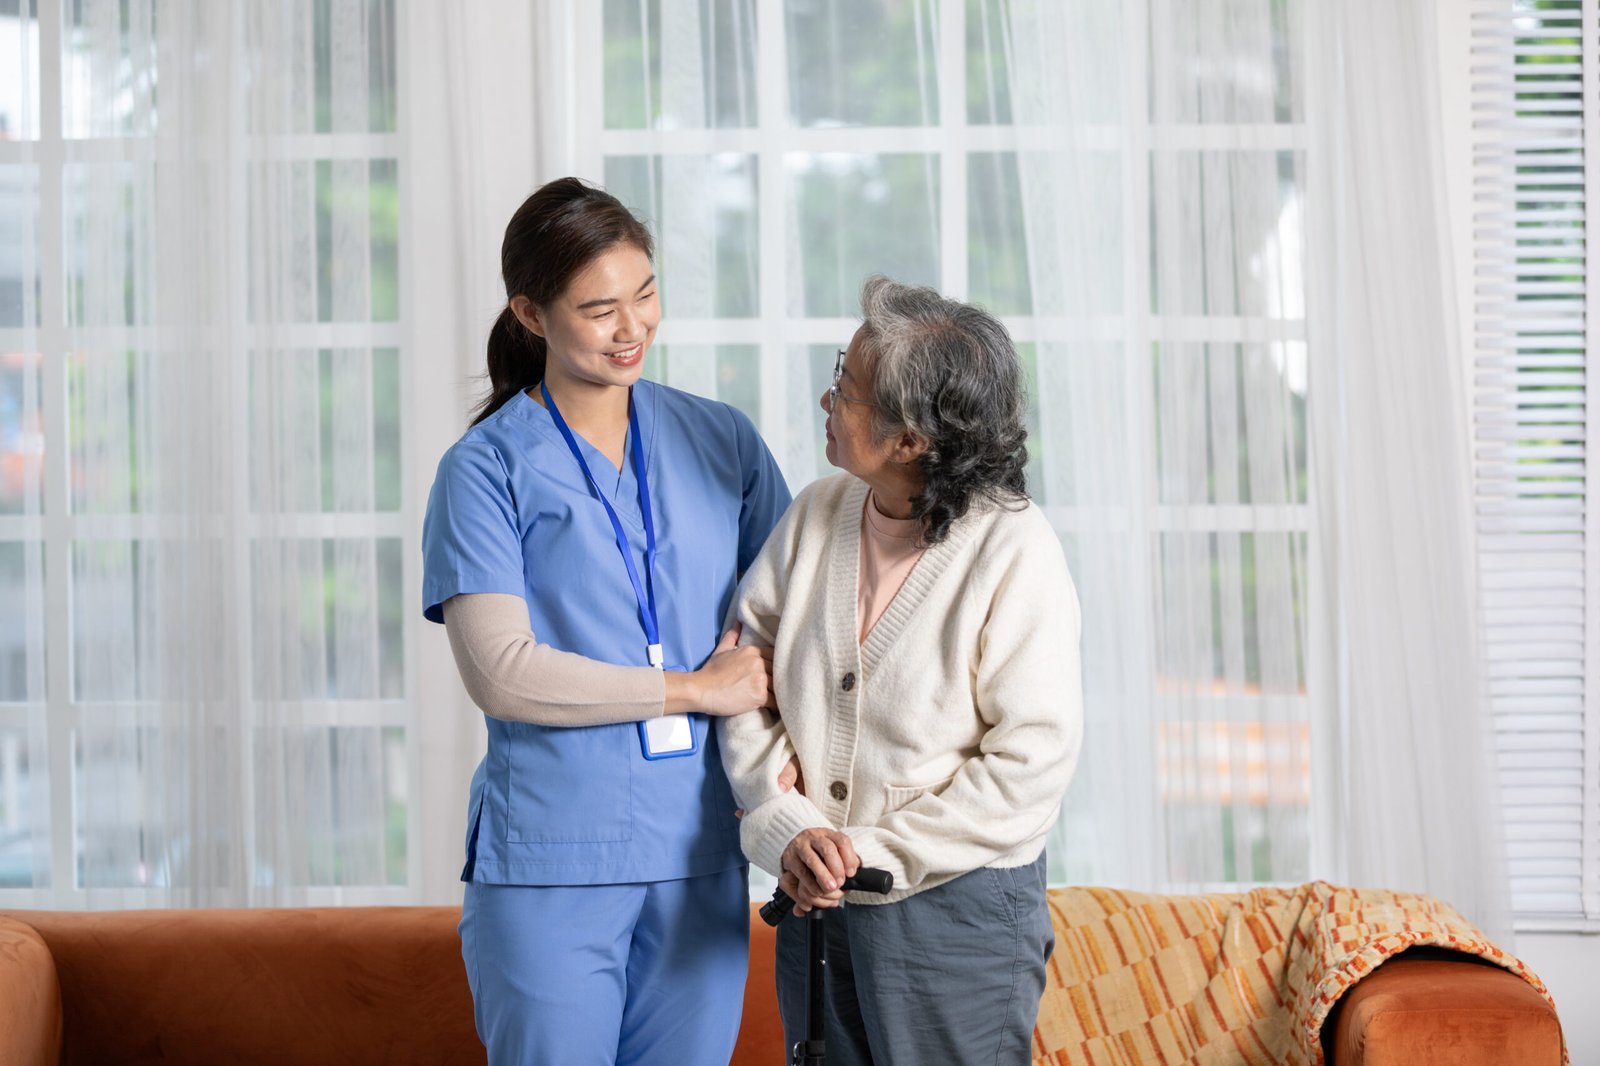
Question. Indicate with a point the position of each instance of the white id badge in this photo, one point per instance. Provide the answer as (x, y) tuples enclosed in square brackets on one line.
[(667, 736)]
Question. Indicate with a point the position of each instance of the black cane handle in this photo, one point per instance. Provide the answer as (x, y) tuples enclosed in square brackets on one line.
[(866, 879)]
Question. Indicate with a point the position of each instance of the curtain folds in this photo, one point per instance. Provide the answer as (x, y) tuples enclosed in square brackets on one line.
[(220, 430), (1412, 801)]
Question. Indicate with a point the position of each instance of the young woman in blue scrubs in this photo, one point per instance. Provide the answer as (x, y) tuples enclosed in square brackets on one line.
[(581, 545)]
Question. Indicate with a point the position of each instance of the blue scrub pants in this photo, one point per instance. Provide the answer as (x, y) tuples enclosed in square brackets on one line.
[(951, 975), (588, 974)]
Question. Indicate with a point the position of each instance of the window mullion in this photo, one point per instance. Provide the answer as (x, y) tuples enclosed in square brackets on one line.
[(772, 119), (952, 62)]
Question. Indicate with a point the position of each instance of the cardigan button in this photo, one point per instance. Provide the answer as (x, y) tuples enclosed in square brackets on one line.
[(838, 791), (847, 682)]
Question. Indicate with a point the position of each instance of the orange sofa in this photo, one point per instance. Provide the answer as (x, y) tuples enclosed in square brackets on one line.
[(386, 985)]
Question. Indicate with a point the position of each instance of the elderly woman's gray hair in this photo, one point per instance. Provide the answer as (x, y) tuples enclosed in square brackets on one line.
[(947, 372)]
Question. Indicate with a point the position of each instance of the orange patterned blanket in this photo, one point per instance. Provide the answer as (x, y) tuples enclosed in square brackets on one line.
[(1244, 979)]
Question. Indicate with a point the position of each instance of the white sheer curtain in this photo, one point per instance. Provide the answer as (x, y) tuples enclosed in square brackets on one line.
[(1129, 185), (1193, 517), (1414, 800), (1160, 173), (217, 712)]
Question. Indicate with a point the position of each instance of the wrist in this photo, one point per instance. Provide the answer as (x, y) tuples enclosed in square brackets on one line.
[(684, 692)]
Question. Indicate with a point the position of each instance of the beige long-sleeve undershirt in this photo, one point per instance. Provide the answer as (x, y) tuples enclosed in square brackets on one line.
[(511, 676)]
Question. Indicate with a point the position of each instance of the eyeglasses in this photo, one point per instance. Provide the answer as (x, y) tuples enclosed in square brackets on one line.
[(834, 395)]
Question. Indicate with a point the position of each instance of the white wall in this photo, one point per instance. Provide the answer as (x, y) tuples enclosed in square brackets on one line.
[(1568, 963)]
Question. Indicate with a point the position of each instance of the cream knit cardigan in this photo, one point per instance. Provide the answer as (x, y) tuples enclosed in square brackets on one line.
[(943, 743)]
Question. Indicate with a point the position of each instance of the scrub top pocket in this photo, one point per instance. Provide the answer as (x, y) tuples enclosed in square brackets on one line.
[(571, 785)]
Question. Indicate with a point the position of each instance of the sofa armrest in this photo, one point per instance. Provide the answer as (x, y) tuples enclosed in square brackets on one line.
[(30, 998), (1432, 1008)]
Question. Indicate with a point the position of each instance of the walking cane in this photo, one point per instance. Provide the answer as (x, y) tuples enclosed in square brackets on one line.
[(812, 1050)]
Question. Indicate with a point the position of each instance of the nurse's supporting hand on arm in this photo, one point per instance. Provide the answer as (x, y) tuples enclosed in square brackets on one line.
[(734, 680), (815, 864)]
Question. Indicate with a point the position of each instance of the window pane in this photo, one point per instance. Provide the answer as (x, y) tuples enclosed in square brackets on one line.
[(103, 206), (1230, 423), (386, 429), (863, 64), (325, 430), (22, 623), (21, 435), (383, 202), (19, 70), (1236, 798), (19, 244), (108, 87), (18, 824), (352, 55), (710, 81), (343, 261), (111, 590), (105, 394), (348, 785), (997, 238), (727, 372), (859, 215), (327, 618), (1242, 253), (1230, 613), (1225, 61), (988, 74), (702, 212), (810, 374), (128, 638), (135, 797), (357, 223)]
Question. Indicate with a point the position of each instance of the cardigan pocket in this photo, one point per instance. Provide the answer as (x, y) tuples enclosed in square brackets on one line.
[(898, 796)]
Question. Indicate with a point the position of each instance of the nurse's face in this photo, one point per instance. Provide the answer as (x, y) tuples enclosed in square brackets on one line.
[(852, 444), (597, 331)]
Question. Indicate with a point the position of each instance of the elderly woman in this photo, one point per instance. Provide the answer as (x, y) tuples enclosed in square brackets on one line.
[(925, 641)]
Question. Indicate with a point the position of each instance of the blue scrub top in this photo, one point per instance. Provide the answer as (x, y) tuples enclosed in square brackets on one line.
[(511, 512)]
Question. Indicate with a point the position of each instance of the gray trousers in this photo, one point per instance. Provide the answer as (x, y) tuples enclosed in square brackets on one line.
[(950, 975)]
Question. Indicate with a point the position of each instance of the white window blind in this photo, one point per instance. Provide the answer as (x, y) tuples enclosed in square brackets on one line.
[(1536, 117)]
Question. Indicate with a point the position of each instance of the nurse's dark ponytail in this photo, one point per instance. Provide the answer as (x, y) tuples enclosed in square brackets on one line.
[(556, 232)]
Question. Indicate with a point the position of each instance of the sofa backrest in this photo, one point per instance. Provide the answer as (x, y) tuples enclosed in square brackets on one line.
[(337, 984)]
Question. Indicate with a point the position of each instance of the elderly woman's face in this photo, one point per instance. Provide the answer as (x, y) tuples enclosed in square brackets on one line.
[(851, 445)]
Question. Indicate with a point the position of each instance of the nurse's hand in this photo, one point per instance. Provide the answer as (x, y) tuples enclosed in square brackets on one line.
[(734, 680), (815, 864), (788, 778)]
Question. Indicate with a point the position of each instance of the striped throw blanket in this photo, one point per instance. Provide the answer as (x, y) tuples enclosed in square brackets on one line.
[(1244, 979)]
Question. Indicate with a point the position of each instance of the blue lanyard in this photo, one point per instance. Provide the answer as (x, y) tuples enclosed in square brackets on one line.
[(645, 593)]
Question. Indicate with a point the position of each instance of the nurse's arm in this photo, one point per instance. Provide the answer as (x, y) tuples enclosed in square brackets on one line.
[(511, 676)]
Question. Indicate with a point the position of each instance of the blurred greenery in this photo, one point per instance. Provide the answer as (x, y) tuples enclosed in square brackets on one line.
[(737, 373), (632, 64), (382, 109), (341, 200), (859, 215), (988, 77), (637, 181), (997, 236), (883, 71)]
